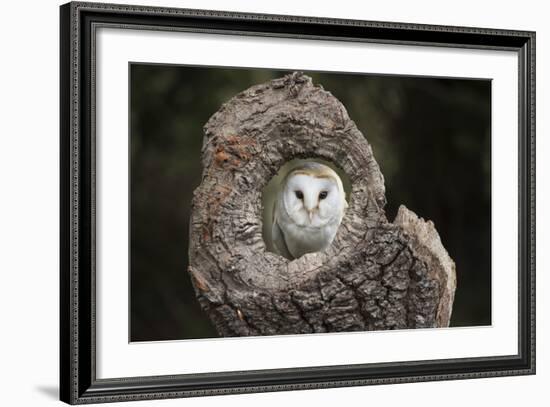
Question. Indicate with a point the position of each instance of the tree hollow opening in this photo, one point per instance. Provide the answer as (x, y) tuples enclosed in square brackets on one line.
[(271, 189)]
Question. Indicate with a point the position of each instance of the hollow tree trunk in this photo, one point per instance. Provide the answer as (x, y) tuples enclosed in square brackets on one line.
[(375, 275)]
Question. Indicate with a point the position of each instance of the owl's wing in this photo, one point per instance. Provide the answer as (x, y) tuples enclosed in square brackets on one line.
[(278, 237)]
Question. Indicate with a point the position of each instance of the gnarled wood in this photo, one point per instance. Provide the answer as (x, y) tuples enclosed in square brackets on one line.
[(375, 275)]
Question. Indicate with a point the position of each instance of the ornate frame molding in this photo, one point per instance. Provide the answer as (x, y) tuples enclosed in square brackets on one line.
[(79, 21)]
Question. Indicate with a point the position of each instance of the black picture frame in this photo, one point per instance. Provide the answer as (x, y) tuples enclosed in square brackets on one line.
[(78, 382)]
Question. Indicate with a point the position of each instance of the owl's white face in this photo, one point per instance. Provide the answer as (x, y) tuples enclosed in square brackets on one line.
[(312, 201)]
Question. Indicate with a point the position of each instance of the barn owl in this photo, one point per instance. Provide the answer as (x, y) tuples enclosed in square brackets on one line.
[(308, 210)]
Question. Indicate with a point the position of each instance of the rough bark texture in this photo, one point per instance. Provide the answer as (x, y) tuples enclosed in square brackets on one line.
[(375, 275)]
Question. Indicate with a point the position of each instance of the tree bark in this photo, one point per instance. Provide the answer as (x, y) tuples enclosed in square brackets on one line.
[(375, 275)]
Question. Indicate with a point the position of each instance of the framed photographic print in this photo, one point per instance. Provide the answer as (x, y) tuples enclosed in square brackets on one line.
[(258, 203)]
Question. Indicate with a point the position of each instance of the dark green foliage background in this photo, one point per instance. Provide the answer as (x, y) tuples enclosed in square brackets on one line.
[(431, 137)]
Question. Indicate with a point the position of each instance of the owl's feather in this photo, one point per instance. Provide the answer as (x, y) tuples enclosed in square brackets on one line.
[(279, 239)]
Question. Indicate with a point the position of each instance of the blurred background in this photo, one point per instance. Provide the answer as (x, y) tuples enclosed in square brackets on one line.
[(430, 136)]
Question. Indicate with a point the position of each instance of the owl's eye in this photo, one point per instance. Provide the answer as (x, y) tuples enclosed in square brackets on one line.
[(323, 194), (299, 194)]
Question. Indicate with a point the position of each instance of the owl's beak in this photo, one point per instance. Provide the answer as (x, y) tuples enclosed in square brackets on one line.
[(310, 213)]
